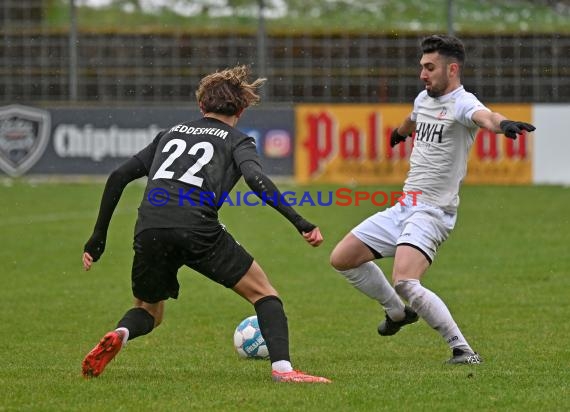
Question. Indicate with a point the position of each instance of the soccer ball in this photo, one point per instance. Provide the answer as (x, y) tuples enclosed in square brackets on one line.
[(248, 341)]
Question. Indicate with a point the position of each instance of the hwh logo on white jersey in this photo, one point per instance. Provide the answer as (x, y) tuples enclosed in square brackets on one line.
[(428, 132)]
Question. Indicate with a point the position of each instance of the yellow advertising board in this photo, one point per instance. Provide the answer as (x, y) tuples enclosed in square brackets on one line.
[(346, 144)]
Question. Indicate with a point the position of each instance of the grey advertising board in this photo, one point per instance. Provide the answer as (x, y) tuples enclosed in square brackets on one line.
[(93, 141)]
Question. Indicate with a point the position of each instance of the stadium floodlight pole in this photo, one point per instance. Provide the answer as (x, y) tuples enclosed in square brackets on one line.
[(261, 59), (450, 30), (72, 51)]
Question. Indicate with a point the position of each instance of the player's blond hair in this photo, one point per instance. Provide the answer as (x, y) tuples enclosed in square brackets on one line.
[(228, 91)]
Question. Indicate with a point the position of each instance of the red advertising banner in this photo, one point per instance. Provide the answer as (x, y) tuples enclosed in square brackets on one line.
[(347, 144)]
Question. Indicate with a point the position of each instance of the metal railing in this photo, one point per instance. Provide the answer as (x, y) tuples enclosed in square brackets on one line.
[(166, 67)]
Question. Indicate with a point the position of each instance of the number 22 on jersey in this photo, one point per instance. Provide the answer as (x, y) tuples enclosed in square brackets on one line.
[(190, 175)]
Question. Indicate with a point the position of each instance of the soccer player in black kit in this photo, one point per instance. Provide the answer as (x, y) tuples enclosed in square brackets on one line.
[(190, 168)]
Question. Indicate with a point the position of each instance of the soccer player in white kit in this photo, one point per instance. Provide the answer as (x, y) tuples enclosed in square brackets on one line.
[(445, 119)]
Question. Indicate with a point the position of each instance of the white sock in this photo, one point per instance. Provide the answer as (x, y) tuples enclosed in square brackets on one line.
[(125, 333), (282, 366), (370, 280), (432, 309)]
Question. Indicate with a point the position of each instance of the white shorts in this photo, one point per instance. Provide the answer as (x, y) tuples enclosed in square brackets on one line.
[(419, 225)]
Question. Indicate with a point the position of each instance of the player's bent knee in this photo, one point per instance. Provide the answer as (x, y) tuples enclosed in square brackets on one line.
[(343, 258), (340, 258), (338, 262)]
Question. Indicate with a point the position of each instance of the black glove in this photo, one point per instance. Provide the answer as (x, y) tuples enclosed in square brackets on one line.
[(95, 246), (512, 129), (396, 138)]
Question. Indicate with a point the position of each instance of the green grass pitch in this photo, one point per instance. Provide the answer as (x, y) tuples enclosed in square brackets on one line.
[(504, 273)]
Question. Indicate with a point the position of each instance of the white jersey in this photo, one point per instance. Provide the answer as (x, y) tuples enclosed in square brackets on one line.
[(444, 135)]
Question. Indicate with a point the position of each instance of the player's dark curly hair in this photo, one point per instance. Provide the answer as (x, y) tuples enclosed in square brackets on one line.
[(228, 92), (448, 46)]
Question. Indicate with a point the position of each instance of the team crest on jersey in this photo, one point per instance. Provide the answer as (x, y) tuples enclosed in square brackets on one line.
[(442, 114), (24, 135)]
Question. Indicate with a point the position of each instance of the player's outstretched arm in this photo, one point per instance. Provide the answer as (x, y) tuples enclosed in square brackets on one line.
[(130, 170), (264, 187), (498, 123)]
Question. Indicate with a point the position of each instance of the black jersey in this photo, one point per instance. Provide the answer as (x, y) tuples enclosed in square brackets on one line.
[(192, 167)]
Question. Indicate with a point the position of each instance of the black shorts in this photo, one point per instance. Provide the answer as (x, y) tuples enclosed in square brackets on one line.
[(159, 253)]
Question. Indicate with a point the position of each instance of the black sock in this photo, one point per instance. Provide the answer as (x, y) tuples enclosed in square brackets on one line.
[(138, 321), (273, 325)]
